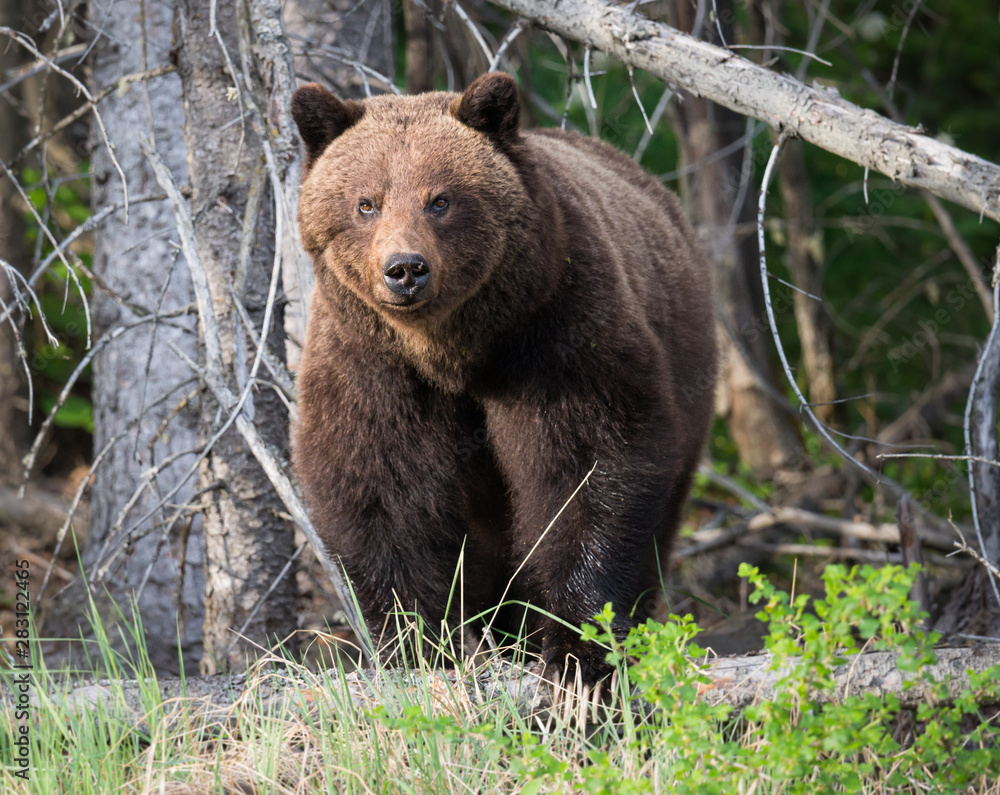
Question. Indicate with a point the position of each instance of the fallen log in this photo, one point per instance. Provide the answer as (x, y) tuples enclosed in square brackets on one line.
[(38, 511), (736, 681)]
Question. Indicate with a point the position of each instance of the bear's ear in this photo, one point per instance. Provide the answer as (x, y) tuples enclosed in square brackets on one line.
[(490, 105), (321, 117)]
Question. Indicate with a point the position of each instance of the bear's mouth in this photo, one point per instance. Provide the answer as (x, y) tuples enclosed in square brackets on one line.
[(406, 303)]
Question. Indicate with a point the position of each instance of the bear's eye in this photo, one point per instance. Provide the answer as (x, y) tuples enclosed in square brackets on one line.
[(439, 205), (365, 207)]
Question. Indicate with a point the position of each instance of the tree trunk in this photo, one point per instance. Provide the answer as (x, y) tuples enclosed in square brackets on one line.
[(248, 543), (138, 381), (804, 251), (12, 250), (974, 607), (419, 63), (759, 425)]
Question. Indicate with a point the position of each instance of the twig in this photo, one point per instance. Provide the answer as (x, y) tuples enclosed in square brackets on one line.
[(891, 86), (43, 433), (343, 56), (884, 533), (282, 378), (69, 118), (47, 233), (654, 119), (814, 33), (475, 31), (718, 154), (820, 427), (638, 101), (586, 78), (507, 40), (731, 485), (31, 69), (84, 483), (706, 541), (964, 547), (63, 246), (942, 457), (806, 53), (838, 553), (961, 250), (25, 42)]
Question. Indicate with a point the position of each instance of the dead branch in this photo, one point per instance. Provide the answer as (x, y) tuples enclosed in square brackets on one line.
[(815, 114), (885, 533)]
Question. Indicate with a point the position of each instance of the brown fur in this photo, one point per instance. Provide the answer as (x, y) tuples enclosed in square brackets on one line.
[(566, 321)]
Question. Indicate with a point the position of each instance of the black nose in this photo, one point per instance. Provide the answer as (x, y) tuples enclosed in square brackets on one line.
[(406, 274)]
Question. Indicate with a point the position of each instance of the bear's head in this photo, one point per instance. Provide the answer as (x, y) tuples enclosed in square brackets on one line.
[(411, 203)]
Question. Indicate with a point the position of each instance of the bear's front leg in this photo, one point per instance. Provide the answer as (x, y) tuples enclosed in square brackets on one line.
[(378, 453), (605, 545)]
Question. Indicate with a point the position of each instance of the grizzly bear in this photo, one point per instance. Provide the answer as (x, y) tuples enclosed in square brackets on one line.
[(498, 312)]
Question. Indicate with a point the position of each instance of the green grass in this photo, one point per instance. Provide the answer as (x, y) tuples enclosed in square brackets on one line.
[(422, 733)]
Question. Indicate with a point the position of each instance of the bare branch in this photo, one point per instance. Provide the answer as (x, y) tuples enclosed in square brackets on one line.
[(25, 42), (884, 533), (815, 114)]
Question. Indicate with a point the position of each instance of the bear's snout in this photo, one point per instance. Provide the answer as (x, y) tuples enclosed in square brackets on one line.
[(406, 275)]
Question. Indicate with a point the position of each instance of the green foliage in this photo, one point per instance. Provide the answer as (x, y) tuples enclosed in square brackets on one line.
[(656, 729), (816, 745), (797, 741), (55, 337), (75, 412)]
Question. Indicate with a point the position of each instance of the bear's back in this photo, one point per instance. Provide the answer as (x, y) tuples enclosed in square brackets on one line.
[(624, 224)]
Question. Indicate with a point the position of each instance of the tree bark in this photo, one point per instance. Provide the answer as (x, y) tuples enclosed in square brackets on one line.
[(815, 114), (12, 250), (136, 380), (419, 63), (760, 427), (248, 543), (803, 255)]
